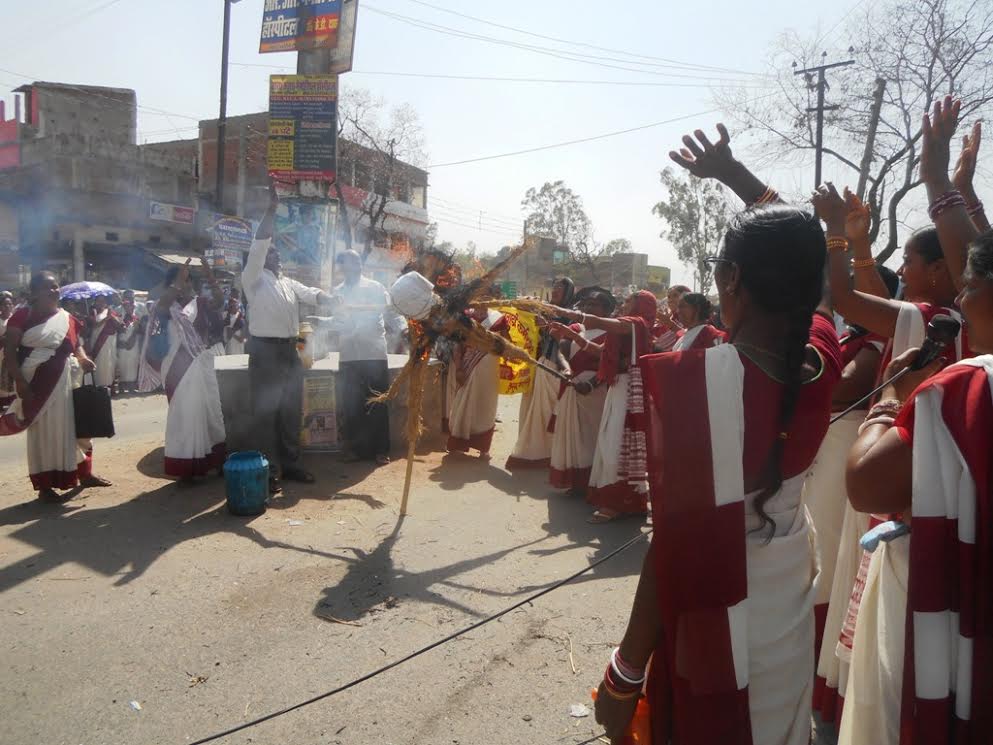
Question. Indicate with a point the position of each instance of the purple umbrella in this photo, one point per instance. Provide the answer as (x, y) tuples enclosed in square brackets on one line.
[(86, 291)]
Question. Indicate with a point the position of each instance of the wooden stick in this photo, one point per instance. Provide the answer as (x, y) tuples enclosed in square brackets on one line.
[(553, 371), (415, 399)]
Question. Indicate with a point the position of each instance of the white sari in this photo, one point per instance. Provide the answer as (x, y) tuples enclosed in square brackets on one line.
[(195, 435), (127, 359), (55, 458), (106, 358)]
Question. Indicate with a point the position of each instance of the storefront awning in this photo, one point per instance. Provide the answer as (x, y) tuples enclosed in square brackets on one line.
[(164, 258)]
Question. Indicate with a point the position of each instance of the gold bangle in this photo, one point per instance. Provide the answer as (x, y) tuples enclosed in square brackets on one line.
[(837, 244), (864, 263), (621, 696)]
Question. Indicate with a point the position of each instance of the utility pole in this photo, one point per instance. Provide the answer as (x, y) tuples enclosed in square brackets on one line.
[(870, 140), (820, 109), (223, 115)]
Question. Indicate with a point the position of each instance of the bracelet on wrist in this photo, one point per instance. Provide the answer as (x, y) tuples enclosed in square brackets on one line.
[(617, 687), (864, 263), (888, 407), (767, 197), (975, 209), (624, 670), (947, 201), (837, 244)]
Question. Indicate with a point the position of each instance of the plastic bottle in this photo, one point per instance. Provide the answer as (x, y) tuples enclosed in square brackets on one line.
[(639, 732)]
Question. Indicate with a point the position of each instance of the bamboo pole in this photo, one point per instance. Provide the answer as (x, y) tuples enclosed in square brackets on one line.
[(415, 399)]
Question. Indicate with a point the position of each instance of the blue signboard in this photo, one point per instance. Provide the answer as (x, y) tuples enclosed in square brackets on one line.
[(294, 25)]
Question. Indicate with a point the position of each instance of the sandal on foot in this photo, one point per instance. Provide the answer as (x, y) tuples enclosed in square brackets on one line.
[(94, 482), (599, 517)]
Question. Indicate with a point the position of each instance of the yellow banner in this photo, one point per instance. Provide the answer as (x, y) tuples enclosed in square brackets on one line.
[(515, 376)]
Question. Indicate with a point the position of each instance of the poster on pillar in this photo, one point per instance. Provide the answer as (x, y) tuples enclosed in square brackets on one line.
[(299, 25), (303, 127)]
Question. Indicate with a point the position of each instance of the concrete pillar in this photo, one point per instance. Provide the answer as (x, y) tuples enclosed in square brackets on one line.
[(78, 258)]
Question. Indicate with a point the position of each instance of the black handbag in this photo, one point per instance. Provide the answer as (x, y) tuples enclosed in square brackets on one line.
[(93, 413)]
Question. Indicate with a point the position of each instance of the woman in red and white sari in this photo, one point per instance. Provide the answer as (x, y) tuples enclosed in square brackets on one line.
[(175, 357), (724, 605), (694, 314), (934, 460), (932, 273), (534, 440), (104, 325), (472, 395), (576, 421), (619, 478), (42, 349)]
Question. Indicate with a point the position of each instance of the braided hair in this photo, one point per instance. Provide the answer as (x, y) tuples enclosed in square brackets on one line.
[(780, 253)]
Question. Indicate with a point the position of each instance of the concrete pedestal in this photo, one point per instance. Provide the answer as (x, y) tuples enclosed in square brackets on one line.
[(232, 379)]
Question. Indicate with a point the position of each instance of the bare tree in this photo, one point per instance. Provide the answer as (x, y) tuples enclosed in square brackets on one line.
[(376, 140), (923, 49), (696, 212)]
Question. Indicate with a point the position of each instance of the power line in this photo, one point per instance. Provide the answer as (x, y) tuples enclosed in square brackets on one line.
[(515, 219), (434, 645), (501, 79), (672, 63), (558, 53), (603, 136), (469, 213)]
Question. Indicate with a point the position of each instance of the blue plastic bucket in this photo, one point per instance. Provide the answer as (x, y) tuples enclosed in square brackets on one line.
[(246, 481)]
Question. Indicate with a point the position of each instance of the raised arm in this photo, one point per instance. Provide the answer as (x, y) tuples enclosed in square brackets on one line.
[(965, 172), (948, 211), (172, 291), (705, 159), (260, 246), (216, 293), (857, 223), (875, 313)]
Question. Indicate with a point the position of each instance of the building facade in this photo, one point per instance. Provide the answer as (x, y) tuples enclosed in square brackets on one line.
[(76, 189)]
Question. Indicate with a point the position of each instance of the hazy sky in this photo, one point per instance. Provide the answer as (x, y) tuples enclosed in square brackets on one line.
[(169, 52)]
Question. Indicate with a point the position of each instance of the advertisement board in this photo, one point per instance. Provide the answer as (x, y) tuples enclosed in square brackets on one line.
[(303, 128), (171, 213), (295, 25), (341, 55), (320, 416)]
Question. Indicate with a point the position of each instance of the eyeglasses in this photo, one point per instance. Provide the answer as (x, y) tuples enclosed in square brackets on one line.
[(718, 260)]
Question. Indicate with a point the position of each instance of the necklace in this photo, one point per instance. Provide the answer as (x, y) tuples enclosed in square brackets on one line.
[(765, 352)]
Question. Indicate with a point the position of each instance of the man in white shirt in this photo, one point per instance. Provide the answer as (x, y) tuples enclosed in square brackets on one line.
[(274, 368), (360, 321)]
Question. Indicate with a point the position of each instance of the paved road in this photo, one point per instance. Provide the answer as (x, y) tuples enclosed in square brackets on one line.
[(135, 417)]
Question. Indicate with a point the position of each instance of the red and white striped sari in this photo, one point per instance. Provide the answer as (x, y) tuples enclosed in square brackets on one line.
[(55, 458), (948, 680), (195, 435), (703, 336), (870, 659), (735, 666)]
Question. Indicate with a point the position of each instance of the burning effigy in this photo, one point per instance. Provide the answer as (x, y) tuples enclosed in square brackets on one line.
[(432, 296)]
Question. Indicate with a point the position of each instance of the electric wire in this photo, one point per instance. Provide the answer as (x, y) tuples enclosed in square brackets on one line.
[(433, 645)]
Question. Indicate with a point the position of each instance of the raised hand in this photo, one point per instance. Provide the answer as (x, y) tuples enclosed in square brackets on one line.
[(831, 208), (705, 159), (858, 220), (937, 129), (965, 168), (183, 276)]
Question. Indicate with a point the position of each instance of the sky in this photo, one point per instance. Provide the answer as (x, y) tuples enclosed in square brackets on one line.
[(662, 67)]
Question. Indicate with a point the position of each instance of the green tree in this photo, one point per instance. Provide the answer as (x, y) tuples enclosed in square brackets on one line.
[(696, 214), (618, 246), (556, 211)]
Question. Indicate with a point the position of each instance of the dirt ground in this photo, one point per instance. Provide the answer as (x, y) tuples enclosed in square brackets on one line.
[(145, 613)]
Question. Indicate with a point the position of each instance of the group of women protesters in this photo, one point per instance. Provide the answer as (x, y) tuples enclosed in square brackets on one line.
[(759, 600)]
